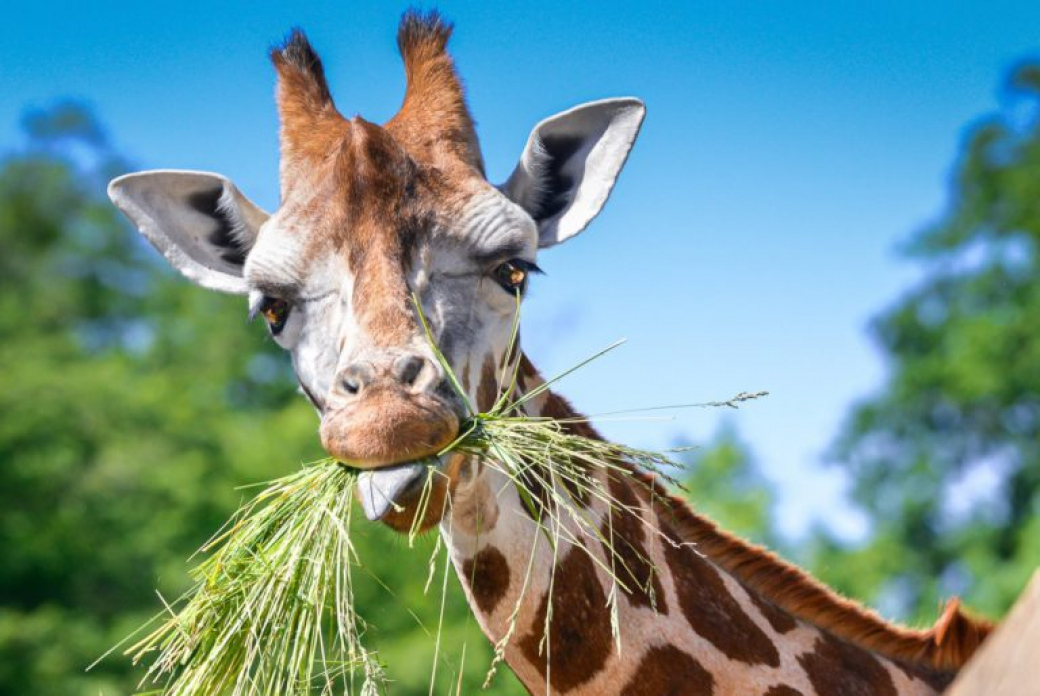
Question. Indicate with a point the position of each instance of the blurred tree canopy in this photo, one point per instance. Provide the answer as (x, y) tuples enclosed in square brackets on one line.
[(946, 458), (133, 406)]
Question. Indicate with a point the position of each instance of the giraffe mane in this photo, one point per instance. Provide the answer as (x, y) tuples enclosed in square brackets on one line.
[(945, 646)]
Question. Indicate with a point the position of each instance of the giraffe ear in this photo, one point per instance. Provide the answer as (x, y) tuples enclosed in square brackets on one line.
[(200, 222), (570, 164)]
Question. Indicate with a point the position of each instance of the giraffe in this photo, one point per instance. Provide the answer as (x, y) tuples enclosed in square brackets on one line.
[(372, 216)]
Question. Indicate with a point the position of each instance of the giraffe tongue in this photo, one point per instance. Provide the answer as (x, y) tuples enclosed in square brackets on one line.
[(380, 488)]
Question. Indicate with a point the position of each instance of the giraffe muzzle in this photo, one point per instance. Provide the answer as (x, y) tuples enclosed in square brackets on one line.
[(387, 427)]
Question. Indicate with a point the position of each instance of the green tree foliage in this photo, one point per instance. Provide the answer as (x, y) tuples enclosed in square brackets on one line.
[(946, 458), (133, 406)]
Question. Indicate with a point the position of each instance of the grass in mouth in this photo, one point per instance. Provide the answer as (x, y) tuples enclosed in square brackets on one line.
[(272, 609)]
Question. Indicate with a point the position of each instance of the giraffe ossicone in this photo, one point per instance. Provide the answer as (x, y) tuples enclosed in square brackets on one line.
[(372, 216)]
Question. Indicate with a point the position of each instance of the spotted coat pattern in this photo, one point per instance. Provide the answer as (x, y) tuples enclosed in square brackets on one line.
[(702, 633)]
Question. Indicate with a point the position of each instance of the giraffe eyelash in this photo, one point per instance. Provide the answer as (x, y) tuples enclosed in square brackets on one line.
[(257, 299)]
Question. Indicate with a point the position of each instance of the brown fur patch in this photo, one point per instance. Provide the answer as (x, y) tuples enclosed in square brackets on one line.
[(487, 390), (521, 381), (539, 497), (803, 597), (579, 638), (559, 408), (782, 690), (624, 529), (487, 575), (837, 668), (780, 620), (388, 204), (933, 678), (713, 612), (527, 368), (668, 671)]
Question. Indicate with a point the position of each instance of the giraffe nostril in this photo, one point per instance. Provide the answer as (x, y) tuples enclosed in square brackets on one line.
[(407, 369), (355, 378)]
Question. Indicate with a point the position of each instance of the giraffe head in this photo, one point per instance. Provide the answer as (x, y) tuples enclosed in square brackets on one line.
[(373, 218)]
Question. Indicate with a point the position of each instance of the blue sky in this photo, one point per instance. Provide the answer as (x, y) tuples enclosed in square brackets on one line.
[(788, 148)]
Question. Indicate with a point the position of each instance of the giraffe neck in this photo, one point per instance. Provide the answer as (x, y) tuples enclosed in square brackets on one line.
[(681, 621)]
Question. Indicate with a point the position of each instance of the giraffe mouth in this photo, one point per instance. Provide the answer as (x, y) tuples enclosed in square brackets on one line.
[(381, 489)]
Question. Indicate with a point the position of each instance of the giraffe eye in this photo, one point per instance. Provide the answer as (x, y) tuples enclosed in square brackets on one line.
[(276, 313), (512, 275)]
